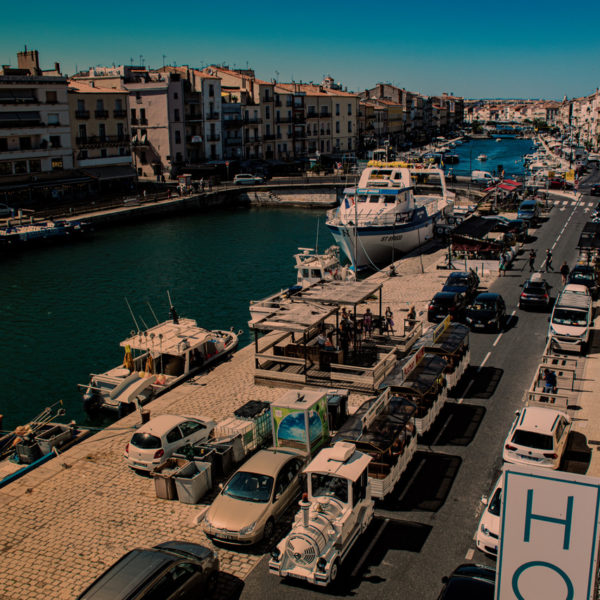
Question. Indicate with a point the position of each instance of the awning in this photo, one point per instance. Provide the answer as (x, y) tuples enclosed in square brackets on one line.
[(111, 172)]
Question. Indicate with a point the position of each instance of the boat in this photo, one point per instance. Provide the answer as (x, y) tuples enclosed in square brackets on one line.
[(451, 159), (482, 157), (30, 233), (498, 139), (156, 360), (33, 444), (311, 268), (383, 218)]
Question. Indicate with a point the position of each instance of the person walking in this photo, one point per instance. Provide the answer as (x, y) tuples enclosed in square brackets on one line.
[(549, 260), (368, 323), (389, 320), (564, 271), (532, 260), (501, 264)]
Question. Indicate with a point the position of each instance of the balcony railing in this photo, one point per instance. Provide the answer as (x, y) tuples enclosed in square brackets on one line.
[(134, 120), (213, 137), (212, 116), (270, 136), (33, 148), (253, 140), (119, 114), (232, 123), (253, 120), (20, 124), (82, 114), (90, 141), (143, 121), (283, 120), (233, 140), (299, 119), (101, 114), (193, 117)]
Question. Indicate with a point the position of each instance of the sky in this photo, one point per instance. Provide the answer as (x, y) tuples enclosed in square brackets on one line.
[(525, 49)]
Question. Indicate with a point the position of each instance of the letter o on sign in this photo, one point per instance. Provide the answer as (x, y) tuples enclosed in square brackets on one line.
[(539, 563)]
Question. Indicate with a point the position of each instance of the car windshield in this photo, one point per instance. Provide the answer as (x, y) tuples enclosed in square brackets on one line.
[(444, 301), (581, 275), (329, 485), (145, 441), (457, 280), (567, 316), (532, 439), (251, 487), (496, 503), (534, 288)]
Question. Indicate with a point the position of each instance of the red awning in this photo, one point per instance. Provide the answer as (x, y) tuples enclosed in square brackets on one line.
[(512, 182), (508, 187)]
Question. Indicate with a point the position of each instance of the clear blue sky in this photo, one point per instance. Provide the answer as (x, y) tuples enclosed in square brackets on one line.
[(529, 48)]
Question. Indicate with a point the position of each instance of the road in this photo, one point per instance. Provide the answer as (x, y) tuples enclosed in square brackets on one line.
[(427, 527)]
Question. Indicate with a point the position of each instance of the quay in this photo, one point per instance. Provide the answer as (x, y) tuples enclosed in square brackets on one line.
[(67, 521)]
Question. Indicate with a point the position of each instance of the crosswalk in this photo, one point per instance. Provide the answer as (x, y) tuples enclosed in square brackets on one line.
[(564, 204)]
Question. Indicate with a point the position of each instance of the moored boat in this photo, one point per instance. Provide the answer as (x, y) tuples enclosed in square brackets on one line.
[(32, 233)]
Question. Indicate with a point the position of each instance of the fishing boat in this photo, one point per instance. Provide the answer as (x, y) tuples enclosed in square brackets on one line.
[(383, 217), (311, 268), (30, 233), (482, 157), (156, 360), (35, 443)]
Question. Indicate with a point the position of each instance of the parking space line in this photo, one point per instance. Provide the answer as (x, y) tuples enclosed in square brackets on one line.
[(439, 435), (410, 481), (364, 557), (469, 554), (498, 339), (484, 361)]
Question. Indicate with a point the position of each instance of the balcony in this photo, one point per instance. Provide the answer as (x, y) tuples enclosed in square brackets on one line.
[(119, 114), (213, 137), (270, 136), (299, 119), (233, 140), (193, 118), (143, 121), (253, 140), (232, 123), (283, 120), (96, 141), (134, 120), (82, 114), (212, 116), (253, 120), (101, 114)]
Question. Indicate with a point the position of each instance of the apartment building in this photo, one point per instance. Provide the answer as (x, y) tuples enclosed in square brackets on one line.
[(100, 134), (36, 157)]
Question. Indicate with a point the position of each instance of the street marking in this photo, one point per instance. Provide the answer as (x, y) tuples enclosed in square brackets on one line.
[(439, 435), (484, 361), (469, 554), (497, 339), (364, 557), (410, 481)]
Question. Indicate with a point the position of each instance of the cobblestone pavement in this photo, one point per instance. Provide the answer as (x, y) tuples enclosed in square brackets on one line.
[(66, 521)]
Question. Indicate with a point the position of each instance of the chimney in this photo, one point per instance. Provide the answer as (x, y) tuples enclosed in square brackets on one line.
[(29, 60), (57, 67)]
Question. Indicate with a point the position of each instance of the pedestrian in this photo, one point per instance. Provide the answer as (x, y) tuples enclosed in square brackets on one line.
[(368, 322), (321, 339), (389, 320), (202, 184), (501, 264), (549, 260), (532, 260), (550, 382), (564, 271)]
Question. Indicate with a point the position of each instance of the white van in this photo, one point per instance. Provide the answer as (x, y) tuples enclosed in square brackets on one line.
[(483, 177), (571, 322)]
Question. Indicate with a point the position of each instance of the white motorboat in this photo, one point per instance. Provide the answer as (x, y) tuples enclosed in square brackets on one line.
[(482, 157), (156, 360), (382, 218)]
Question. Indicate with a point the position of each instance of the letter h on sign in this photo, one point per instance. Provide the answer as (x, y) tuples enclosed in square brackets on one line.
[(566, 522)]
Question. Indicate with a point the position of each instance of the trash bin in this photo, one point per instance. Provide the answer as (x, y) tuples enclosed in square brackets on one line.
[(224, 456), (192, 486), (164, 483), (54, 437), (199, 452), (28, 451)]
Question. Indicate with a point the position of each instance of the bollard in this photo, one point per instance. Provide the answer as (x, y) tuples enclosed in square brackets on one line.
[(145, 415)]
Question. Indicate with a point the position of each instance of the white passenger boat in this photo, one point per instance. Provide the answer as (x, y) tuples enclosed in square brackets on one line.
[(156, 360), (482, 157), (382, 218)]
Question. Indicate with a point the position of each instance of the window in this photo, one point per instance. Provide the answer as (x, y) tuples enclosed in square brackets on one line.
[(122, 151), (337, 126), (57, 164), (176, 116), (359, 489), (55, 142), (81, 105), (177, 136), (53, 119), (178, 157), (349, 126), (35, 166), (51, 97), (99, 104), (142, 113), (83, 154), (120, 130), (211, 90), (102, 131), (133, 117), (349, 143), (337, 110), (349, 109), (268, 112), (103, 153), (174, 435), (82, 131), (25, 143), (189, 427), (20, 167), (143, 158), (118, 104), (3, 144), (6, 168)]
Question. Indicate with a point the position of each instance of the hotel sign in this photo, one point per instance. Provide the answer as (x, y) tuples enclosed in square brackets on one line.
[(549, 535)]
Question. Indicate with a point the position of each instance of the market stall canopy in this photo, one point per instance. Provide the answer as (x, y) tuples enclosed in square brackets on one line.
[(340, 292), (294, 316), (475, 227)]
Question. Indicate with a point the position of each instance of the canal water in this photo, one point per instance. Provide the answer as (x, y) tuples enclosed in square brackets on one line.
[(63, 311), (507, 153)]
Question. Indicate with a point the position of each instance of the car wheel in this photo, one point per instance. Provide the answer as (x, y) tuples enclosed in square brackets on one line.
[(269, 530), (335, 570)]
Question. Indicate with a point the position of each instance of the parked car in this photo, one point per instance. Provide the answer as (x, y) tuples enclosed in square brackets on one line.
[(517, 227), (157, 440), (488, 530), (255, 497), (6, 211), (170, 570), (585, 275), (529, 211), (487, 311), (538, 436), (469, 582), (247, 179), (595, 190), (447, 303), (536, 293), (465, 282)]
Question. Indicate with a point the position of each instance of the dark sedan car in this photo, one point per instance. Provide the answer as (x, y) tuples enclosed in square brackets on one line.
[(169, 571), (585, 275), (465, 282), (446, 303), (595, 190), (469, 582), (487, 312), (536, 293)]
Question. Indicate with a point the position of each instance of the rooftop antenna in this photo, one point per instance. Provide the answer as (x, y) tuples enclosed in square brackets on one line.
[(153, 314), (131, 60), (164, 56), (277, 75), (132, 315)]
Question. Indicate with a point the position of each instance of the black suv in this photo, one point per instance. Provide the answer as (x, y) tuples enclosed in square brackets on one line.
[(585, 275), (447, 303), (469, 581), (595, 190), (487, 312), (465, 282), (536, 293)]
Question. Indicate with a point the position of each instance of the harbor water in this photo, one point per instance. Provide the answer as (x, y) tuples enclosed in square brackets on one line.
[(63, 310)]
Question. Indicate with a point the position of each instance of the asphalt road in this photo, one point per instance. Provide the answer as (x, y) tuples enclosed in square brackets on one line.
[(426, 528)]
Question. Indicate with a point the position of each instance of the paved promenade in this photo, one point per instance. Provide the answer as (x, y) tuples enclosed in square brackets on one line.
[(66, 521)]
